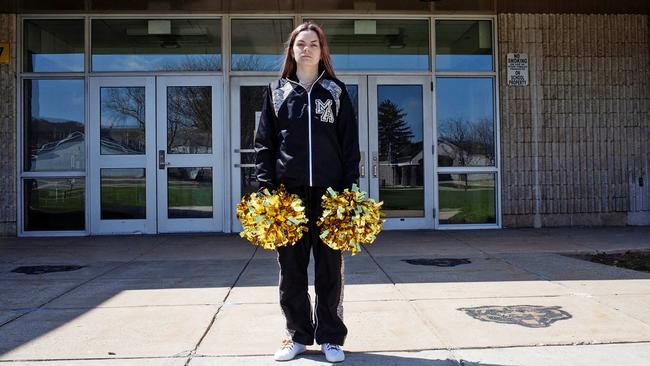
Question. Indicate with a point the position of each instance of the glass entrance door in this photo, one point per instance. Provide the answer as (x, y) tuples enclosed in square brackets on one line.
[(122, 170), (189, 157), (155, 155), (400, 153), (395, 126), (394, 115), (246, 100), (247, 97)]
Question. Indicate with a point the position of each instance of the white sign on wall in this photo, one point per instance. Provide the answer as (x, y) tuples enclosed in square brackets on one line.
[(517, 69)]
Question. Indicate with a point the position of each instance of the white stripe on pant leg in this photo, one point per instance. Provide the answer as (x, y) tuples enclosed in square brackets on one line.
[(316, 314), (339, 307)]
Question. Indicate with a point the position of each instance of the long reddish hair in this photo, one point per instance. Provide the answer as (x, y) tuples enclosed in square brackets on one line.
[(289, 65)]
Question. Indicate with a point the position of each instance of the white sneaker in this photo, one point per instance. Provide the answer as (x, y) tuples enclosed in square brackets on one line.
[(289, 350), (333, 352)]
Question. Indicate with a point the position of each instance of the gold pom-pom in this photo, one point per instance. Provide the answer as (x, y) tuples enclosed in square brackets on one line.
[(271, 220), (349, 219)]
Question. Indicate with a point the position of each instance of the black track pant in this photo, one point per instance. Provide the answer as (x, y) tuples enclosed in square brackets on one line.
[(301, 326)]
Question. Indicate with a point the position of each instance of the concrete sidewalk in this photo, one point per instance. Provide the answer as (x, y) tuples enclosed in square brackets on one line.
[(196, 300)]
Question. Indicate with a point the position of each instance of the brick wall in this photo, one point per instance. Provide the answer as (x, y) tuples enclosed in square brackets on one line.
[(8, 129), (575, 142)]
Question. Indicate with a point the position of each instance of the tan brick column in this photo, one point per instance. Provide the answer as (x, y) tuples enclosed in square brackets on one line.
[(8, 129)]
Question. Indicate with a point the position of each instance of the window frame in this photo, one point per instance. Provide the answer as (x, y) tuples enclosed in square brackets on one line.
[(496, 169), (225, 18)]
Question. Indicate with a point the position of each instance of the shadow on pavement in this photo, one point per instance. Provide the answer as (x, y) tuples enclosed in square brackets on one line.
[(122, 273)]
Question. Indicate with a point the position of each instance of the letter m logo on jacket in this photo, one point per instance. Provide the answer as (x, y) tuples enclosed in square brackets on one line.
[(325, 110)]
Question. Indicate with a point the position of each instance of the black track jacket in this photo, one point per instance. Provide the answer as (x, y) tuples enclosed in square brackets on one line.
[(307, 138)]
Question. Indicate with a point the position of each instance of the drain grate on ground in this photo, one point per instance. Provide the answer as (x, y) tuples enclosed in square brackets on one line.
[(438, 262), (36, 270)]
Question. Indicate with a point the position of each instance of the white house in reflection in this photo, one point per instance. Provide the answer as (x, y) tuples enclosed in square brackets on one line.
[(451, 155), (406, 172), (61, 154), (68, 153)]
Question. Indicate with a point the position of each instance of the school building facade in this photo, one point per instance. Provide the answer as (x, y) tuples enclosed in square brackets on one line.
[(123, 117)]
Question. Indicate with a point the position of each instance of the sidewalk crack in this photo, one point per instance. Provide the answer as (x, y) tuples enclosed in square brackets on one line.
[(192, 353)]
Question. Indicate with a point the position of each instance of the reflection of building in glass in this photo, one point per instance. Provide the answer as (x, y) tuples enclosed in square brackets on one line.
[(466, 143), (449, 154), (120, 141), (404, 171), (56, 145)]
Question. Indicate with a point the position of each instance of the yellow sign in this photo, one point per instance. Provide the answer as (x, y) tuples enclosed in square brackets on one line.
[(4, 52)]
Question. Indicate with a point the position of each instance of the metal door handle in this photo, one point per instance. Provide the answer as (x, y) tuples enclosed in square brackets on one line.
[(362, 164), (375, 164), (161, 160)]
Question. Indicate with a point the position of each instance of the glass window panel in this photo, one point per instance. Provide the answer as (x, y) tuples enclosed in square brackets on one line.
[(366, 5), (251, 99), (401, 163), (54, 204), (463, 45), (262, 5), (122, 116), (157, 5), (465, 121), (189, 193), (53, 45), (156, 44), (447, 5), (378, 44), (123, 194), (54, 125), (249, 183), (467, 198), (353, 92), (258, 44), (189, 120), (52, 6)]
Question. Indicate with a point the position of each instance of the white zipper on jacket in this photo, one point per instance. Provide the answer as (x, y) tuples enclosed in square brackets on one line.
[(311, 183), (309, 122)]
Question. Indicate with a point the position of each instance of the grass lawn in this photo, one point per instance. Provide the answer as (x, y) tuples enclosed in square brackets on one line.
[(407, 198), (189, 195), (475, 205), (65, 200)]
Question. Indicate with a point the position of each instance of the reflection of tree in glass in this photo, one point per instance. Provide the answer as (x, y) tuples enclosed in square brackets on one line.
[(127, 102), (122, 120), (193, 63), (394, 132), (253, 63), (484, 137), (467, 143), (189, 116)]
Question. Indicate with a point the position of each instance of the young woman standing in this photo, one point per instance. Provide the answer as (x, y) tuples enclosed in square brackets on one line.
[(307, 139)]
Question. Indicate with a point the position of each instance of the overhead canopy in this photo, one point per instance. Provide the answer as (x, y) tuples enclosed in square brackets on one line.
[(316, 6)]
